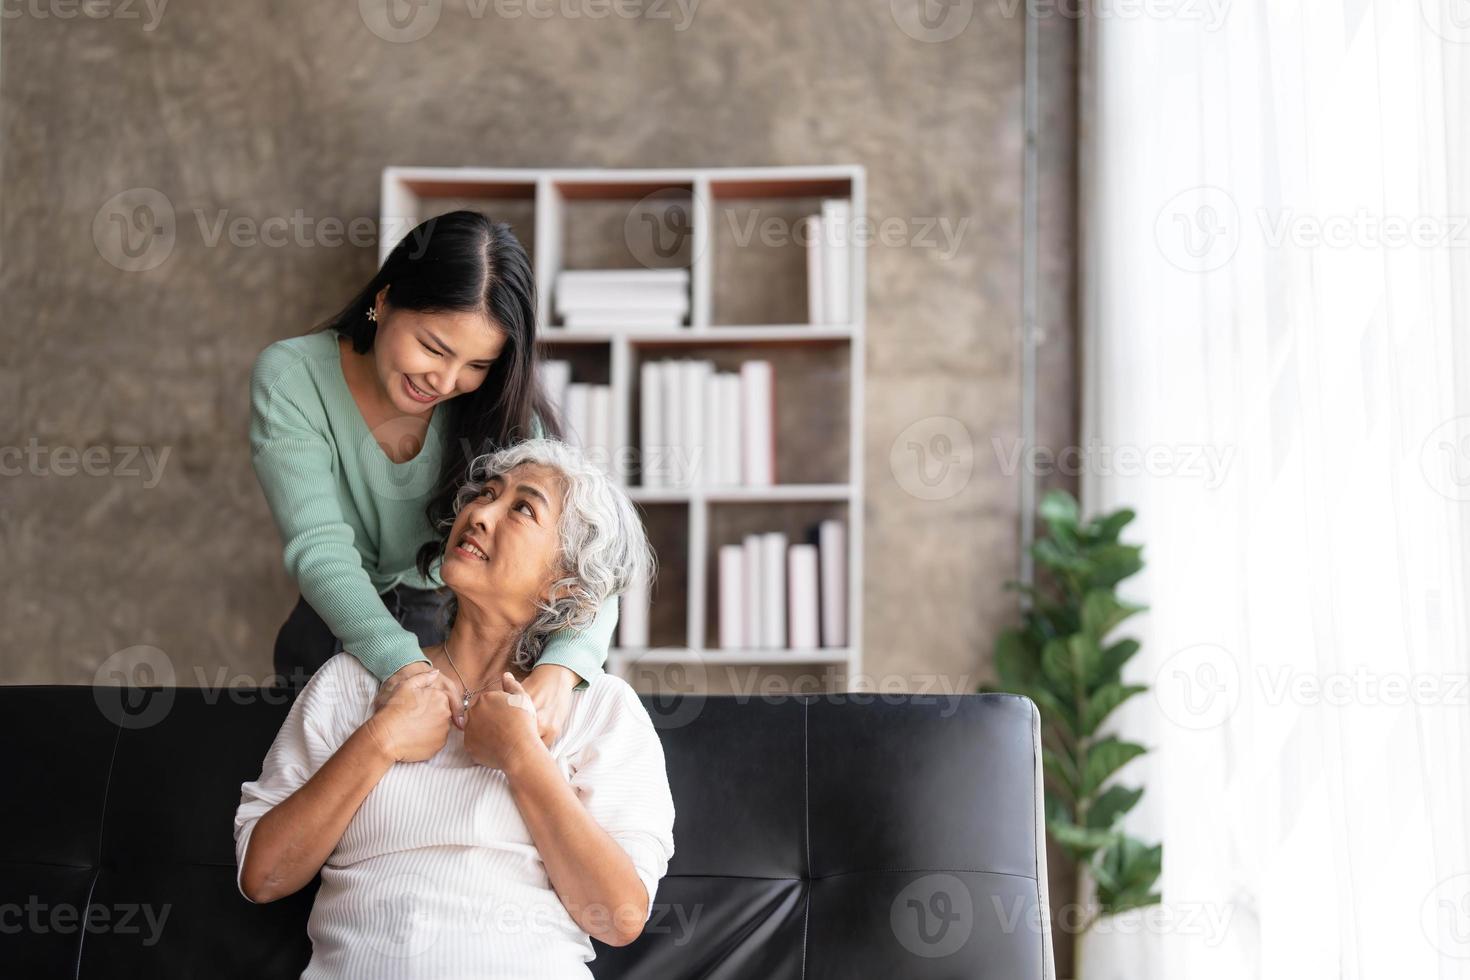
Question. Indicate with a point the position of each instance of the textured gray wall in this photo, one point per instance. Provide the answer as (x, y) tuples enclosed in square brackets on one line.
[(255, 110)]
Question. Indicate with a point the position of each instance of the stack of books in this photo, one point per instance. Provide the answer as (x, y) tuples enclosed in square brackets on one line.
[(585, 408), (775, 596), (829, 264), (623, 299), (702, 428)]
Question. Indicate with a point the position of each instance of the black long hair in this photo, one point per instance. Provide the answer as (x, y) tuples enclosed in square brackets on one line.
[(463, 261)]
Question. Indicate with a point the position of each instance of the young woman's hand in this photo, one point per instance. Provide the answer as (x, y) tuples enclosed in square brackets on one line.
[(550, 687), (404, 673), (413, 724), (500, 727)]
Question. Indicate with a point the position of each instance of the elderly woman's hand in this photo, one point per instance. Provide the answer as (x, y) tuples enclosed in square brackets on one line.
[(385, 692), (413, 724), (500, 727)]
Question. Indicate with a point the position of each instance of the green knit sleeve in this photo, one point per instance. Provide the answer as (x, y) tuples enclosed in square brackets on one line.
[(584, 651), (296, 464)]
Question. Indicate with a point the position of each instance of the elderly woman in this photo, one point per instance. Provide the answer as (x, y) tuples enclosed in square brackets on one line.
[(451, 840)]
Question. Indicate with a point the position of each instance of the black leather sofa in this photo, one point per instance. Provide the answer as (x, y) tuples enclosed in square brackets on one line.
[(821, 836)]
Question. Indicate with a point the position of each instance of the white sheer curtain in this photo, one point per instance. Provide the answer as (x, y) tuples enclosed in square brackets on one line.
[(1276, 260)]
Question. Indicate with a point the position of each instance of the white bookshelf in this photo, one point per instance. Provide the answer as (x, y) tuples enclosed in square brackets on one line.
[(551, 198)]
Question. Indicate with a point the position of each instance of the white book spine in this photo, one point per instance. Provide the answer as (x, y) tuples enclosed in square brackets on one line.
[(732, 589), (675, 465), (651, 422), (816, 311), (832, 545), (773, 589), (633, 616), (555, 376), (599, 408), (695, 372), (836, 216), (756, 412), (753, 634), (578, 398), (623, 321), (801, 580), (730, 446), (714, 425)]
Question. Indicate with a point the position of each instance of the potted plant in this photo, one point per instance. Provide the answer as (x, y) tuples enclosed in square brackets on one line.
[(1065, 659)]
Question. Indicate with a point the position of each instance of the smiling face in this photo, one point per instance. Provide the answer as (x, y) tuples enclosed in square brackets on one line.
[(423, 359), (502, 550)]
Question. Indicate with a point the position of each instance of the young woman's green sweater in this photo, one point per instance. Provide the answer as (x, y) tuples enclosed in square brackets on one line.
[(352, 520)]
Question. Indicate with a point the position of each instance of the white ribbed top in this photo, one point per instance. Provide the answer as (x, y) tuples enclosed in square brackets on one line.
[(437, 875)]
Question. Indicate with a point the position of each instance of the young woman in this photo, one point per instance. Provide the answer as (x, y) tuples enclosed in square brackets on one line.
[(363, 430)]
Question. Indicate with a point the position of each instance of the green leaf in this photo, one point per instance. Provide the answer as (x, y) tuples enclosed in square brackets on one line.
[(1059, 509), (1080, 841), (1105, 528), (1014, 664), (1086, 658), (1053, 555), (1103, 701), (1056, 664), (1061, 766), (1115, 656), (1104, 758), (1111, 563), (1110, 806), (1102, 611)]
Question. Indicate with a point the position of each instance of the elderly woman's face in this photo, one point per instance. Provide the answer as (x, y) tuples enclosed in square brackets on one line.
[(504, 543)]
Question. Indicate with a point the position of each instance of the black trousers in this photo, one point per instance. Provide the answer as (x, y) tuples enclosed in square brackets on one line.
[(305, 642)]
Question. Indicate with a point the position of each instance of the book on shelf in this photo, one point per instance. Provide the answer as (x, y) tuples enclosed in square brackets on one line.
[(829, 264), (585, 410), (633, 614), (703, 428), (622, 299), (778, 595)]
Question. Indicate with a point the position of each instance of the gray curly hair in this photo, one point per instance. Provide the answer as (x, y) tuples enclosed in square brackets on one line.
[(603, 550)]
